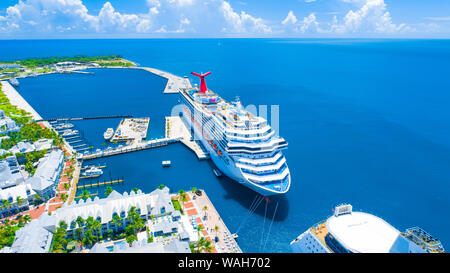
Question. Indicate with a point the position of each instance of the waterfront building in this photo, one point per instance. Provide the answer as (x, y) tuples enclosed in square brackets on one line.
[(35, 237), (12, 65), (15, 199), (43, 144), (348, 231), (23, 147), (10, 174), (103, 210), (243, 146), (45, 178), (143, 246), (7, 124), (165, 228)]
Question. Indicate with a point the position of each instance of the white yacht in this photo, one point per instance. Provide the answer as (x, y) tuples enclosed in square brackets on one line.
[(108, 133), (93, 171)]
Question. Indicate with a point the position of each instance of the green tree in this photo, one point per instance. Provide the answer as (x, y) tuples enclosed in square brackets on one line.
[(108, 191)]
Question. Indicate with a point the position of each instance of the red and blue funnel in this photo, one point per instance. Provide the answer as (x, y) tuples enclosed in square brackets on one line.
[(203, 87)]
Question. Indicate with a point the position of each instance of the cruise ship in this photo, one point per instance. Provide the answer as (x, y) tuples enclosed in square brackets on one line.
[(348, 231), (243, 147)]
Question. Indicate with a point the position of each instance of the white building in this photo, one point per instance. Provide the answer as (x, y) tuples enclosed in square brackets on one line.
[(102, 210), (7, 124), (22, 192), (10, 174), (45, 178), (358, 232)]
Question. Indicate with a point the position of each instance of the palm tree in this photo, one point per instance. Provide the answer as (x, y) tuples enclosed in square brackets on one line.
[(97, 227), (88, 237), (182, 196), (108, 191), (5, 203), (135, 190), (26, 218), (19, 200), (194, 189), (117, 221), (63, 197), (80, 221), (200, 243), (216, 229), (207, 246), (199, 228), (161, 187), (85, 195), (205, 208), (131, 238), (62, 224)]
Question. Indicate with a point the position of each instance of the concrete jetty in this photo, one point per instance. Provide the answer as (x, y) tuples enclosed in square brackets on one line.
[(175, 128), (143, 145), (16, 99), (174, 83)]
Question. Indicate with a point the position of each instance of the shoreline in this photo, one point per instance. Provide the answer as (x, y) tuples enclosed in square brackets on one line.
[(16, 99)]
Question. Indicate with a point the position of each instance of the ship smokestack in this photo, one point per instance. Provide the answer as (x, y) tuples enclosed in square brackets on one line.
[(203, 87)]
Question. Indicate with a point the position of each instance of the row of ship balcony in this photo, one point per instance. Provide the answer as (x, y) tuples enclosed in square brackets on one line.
[(276, 185), (277, 170), (263, 167), (264, 160), (275, 144), (269, 178)]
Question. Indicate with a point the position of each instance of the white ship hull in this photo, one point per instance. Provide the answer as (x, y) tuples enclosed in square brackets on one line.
[(227, 166)]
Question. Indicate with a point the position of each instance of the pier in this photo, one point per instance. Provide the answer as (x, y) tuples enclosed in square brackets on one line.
[(83, 118), (98, 184), (175, 128), (130, 148), (174, 83)]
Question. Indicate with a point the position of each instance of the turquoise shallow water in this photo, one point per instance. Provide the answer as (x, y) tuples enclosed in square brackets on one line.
[(366, 121)]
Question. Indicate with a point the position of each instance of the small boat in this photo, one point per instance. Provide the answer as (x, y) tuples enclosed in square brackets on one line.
[(69, 132), (14, 82), (64, 126), (217, 172), (234, 235), (166, 163), (108, 134), (93, 171)]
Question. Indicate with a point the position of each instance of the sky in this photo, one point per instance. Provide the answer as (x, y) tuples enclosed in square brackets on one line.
[(65, 19)]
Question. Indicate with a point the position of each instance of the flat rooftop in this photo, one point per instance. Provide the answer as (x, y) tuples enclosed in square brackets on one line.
[(362, 232)]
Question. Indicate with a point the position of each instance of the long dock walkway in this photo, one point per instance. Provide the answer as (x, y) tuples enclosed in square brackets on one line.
[(82, 118), (16, 99), (130, 148), (174, 83), (98, 184), (175, 128)]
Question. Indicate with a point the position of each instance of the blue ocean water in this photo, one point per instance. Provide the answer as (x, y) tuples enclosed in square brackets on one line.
[(367, 123)]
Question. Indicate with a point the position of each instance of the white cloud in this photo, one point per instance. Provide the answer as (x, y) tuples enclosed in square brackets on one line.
[(370, 16), (308, 24), (290, 19), (161, 16), (199, 17), (244, 22)]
